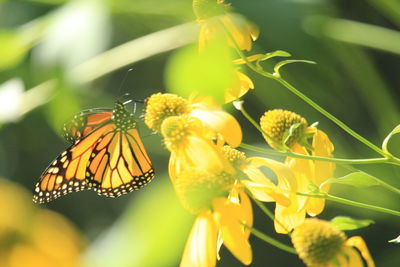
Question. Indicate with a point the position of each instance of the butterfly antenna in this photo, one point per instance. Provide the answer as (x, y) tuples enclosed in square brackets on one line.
[(124, 79)]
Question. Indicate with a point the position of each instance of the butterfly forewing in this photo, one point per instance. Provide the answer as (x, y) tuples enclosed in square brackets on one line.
[(85, 122)]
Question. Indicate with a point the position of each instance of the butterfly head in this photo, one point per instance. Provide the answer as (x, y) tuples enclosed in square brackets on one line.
[(123, 119)]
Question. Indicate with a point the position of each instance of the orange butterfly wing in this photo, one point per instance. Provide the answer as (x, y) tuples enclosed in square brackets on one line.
[(68, 172), (119, 164), (107, 156), (85, 122)]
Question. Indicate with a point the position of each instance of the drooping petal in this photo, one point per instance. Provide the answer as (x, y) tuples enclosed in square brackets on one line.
[(322, 147), (241, 85), (352, 257), (359, 243), (315, 206), (220, 122), (286, 219), (229, 218), (201, 246), (197, 153), (266, 193), (286, 178)]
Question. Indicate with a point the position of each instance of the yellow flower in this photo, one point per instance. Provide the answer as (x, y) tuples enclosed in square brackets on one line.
[(223, 211), (190, 128), (313, 171), (215, 21), (289, 211), (191, 146), (30, 236), (223, 125), (242, 85), (278, 124), (320, 244)]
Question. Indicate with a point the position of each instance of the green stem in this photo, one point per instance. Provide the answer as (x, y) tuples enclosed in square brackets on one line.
[(264, 209), (270, 240), (352, 203), (329, 116), (305, 98), (298, 155)]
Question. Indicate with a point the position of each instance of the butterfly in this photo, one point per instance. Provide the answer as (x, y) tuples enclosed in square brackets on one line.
[(106, 155)]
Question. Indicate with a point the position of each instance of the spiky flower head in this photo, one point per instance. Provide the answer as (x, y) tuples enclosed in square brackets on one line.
[(317, 242), (234, 156), (197, 188), (284, 126), (161, 106), (177, 129)]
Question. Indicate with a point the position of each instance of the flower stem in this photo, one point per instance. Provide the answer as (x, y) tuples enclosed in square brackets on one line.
[(329, 115), (298, 155), (352, 203), (305, 98), (270, 240)]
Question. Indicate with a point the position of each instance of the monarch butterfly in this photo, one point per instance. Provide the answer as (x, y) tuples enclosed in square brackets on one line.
[(106, 155)]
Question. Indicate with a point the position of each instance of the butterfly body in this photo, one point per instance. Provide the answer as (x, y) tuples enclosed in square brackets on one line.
[(106, 155)]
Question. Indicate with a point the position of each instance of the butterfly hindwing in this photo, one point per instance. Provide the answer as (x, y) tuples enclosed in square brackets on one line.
[(119, 165)]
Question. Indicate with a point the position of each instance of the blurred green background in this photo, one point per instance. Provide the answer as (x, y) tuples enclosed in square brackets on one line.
[(59, 57)]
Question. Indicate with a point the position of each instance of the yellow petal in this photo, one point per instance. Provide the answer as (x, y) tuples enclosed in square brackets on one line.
[(201, 246), (322, 147), (220, 122), (359, 243), (286, 178), (266, 193), (352, 258), (240, 87), (202, 37), (255, 174), (315, 206), (197, 153), (286, 221), (228, 217), (304, 166)]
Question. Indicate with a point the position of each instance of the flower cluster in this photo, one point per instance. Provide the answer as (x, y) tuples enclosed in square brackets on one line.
[(203, 177), (215, 181)]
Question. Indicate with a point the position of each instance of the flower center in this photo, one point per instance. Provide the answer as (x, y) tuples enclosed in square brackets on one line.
[(283, 126), (176, 129), (317, 242), (236, 157), (197, 188), (161, 106)]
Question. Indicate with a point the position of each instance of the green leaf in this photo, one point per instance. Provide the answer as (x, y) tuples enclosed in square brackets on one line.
[(347, 223), (285, 62), (396, 240), (396, 130), (277, 53), (208, 73), (358, 179), (289, 133)]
